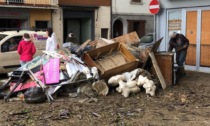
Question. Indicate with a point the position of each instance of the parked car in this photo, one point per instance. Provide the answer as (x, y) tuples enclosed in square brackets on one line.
[(146, 41), (9, 59)]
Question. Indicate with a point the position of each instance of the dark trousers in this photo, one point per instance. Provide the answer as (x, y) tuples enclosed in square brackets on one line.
[(180, 57)]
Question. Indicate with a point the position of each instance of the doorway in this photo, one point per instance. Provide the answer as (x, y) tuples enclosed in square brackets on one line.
[(198, 33), (81, 28), (191, 34), (118, 28)]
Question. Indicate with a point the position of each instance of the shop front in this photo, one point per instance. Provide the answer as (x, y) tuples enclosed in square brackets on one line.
[(81, 23), (18, 18), (192, 21), (13, 19)]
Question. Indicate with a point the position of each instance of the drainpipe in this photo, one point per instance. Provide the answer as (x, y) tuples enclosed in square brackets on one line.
[(52, 18), (111, 30), (155, 31)]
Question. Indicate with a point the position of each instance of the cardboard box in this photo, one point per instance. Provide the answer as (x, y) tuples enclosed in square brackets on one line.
[(111, 60)]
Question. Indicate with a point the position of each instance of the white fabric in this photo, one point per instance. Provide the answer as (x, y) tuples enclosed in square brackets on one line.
[(51, 43), (172, 34), (27, 40), (70, 35), (67, 44)]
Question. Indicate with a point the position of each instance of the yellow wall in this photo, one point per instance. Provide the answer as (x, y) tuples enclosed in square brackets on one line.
[(39, 15)]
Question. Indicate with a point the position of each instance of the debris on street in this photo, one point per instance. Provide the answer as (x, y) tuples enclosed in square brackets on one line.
[(90, 70)]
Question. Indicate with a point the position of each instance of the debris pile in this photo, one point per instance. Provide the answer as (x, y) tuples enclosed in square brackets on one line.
[(130, 82), (90, 69)]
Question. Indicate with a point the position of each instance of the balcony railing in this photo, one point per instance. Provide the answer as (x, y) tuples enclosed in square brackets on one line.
[(30, 2)]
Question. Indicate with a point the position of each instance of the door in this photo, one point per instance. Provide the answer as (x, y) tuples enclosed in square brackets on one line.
[(191, 34), (205, 39), (74, 25), (198, 33), (118, 28), (8, 55)]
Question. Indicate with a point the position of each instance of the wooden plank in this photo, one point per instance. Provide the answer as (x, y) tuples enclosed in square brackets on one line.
[(157, 69), (130, 38), (83, 45)]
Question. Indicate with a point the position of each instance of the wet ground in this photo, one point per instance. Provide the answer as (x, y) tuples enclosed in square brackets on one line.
[(185, 104)]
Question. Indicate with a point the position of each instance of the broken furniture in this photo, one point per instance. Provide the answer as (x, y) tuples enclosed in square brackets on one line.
[(130, 39), (165, 61), (151, 61), (18, 77), (111, 60)]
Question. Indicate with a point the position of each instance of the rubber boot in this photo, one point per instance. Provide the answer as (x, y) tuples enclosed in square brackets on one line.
[(181, 71)]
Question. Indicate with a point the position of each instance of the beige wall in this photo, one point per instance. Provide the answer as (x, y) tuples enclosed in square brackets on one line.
[(102, 20), (39, 14), (126, 7), (55, 22)]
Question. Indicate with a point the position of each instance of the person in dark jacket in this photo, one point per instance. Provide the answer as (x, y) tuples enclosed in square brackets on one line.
[(26, 49), (72, 38), (180, 43)]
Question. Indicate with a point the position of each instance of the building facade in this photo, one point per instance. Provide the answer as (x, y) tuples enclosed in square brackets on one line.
[(131, 15), (89, 19), (191, 18), (26, 14)]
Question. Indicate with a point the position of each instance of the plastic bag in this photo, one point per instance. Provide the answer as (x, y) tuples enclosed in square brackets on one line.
[(35, 95)]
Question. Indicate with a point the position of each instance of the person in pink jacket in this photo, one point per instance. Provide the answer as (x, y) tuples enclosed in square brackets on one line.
[(26, 49)]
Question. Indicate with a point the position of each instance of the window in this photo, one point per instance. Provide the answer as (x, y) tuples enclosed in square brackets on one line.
[(136, 1), (15, 1), (11, 44), (2, 36), (174, 21), (40, 25), (138, 26), (104, 33), (147, 38)]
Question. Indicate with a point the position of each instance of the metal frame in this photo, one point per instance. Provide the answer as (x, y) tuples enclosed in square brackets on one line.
[(197, 67)]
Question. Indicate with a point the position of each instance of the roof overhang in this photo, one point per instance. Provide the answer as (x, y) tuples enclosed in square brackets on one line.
[(30, 7)]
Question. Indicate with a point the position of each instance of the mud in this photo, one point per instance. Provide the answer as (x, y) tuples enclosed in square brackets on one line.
[(187, 103)]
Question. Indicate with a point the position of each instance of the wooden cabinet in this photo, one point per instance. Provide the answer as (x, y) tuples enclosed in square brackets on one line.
[(165, 62)]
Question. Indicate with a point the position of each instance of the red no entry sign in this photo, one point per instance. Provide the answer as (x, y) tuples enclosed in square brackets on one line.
[(154, 6)]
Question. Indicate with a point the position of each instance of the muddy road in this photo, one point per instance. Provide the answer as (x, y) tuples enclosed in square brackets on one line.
[(187, 103)]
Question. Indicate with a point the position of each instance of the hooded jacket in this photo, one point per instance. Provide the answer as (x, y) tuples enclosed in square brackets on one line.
[(51, 44), (179, 42), (26, 50)]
